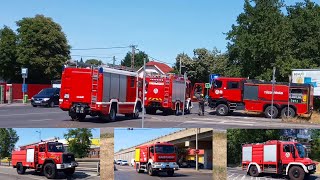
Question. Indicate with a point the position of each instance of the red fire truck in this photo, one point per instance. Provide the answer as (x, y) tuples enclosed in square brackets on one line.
[(167, 93), (278, 157), (46, 156), (103, 92), (157, 157), (229, 94)]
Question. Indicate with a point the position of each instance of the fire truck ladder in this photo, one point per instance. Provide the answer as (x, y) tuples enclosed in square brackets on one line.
[(94, 88), (166, 92)]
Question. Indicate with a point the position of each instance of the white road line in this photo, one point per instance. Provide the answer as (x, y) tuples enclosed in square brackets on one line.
[(28, 114), (37, 120), (220, 123)]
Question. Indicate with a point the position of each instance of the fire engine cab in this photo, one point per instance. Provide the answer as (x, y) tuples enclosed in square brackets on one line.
[(46, 156), (229, 94), (167, 93), (157, 157), (277, 157), (100, 91)]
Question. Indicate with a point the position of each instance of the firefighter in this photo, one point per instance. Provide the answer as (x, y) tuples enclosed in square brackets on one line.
[(201, 105)]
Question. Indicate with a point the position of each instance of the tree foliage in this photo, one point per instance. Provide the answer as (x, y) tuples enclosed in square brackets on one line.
[(8, 139), (138, 59), (9, 68), (42, 48), (79, 141), (94, 62), (238, 137)]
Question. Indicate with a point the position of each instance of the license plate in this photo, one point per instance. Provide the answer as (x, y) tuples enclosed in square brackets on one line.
[(37, 101)]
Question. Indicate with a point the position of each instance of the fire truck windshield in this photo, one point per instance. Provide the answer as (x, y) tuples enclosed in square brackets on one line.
[(301, 151), (164, 149), (55, 147)]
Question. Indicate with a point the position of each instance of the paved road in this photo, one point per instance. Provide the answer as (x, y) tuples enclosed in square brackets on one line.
[(236, 173), (128, 173), (28, 116), (84, 171)]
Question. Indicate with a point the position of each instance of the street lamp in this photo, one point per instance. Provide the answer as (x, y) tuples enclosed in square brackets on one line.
[(39, 134)]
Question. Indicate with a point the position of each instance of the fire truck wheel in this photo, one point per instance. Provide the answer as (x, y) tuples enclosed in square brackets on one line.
[(253, 171), (296, 173), (135, 115), (50, 170), (268, 112), (284, 113), (222, 110), (113, 114), (170, 172), (150, 171), (20, 169), (69, 172), (177, 112)]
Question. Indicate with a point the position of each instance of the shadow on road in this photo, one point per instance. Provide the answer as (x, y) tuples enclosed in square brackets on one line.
[(164, 174), (61, 175), (239, 114)]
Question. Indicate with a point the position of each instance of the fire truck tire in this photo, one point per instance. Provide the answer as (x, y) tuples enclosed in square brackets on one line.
[(222, 110), (268, 114), (253, 171), (151, 172), (20, 169), (138, 170), (50, 171), (69, 172), (170, 172), (296, 173), (135, 115), (177, 111), (113, 114), (78, 117), (284, 112)]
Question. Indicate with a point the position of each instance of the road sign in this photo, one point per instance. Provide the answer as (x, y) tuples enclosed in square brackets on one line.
[(213, 76), (24, 88), (208, 85), (24, 72), (197, 151)]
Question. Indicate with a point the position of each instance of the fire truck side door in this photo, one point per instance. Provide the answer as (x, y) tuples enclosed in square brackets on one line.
[(232, 91), (151, 152), (286, 153), (42, 153)]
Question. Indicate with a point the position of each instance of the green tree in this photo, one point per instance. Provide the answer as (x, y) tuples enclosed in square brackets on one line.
[(138, 59), (260, 40), (237, 137), (79, 141), (8, 139), (94, 62), (9, 68), (42, 47), (315, 145)]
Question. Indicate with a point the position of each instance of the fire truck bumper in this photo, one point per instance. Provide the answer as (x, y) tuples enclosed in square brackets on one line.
[(163, 166), (67, 165), (311, 168)]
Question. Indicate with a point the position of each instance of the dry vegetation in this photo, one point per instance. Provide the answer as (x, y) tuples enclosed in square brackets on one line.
[(106, 158), (219, 156), (314, 119)]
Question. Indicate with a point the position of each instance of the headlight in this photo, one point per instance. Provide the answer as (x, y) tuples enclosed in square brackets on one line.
[(46, 99), (310, 167), (66, 96), (174, 163), (32, 98)]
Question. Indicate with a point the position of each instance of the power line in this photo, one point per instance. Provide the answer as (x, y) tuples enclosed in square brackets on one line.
[(92, 56), (116, 47)]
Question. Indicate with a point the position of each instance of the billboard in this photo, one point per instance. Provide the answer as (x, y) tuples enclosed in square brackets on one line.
[(307, 76)]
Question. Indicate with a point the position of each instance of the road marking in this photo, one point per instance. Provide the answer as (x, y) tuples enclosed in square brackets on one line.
[(28, 114), (37, 120), (30, 177)]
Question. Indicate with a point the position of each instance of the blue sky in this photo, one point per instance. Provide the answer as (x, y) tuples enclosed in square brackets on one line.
[(29, 135), (160, 28), (124, 138)]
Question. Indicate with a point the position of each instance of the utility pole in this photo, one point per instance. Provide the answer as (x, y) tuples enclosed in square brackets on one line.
[(288, 112), (114, 61), (184, 90), (133, 53), (197, 168), (39, 134), (143, 90), (180, 65)]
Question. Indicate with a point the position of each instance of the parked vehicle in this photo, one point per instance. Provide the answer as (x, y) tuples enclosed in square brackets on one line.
[(192, 164), (277, 157), (46, 156), (132, 162), (103, 92), (124, 163), (157, 157), (118, 161), (166, 93), (229, 94), (46, 97)]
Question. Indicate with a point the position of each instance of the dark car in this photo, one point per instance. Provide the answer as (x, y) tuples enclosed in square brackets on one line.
[(192, 163), (46, 97)]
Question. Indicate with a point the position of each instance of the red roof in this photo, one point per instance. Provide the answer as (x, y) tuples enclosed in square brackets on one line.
[(163, 67)]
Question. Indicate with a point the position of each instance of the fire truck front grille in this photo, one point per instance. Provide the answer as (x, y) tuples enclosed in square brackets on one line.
[(154, 104), (68, 158)]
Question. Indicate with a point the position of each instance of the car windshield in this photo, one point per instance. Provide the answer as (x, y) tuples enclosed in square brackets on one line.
[(48, 91), (124, 161), (301, 151), (55, 147), (164, 149)]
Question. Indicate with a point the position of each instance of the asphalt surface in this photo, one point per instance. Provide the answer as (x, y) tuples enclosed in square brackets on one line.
[(85, 170), (237, 173), (129, 173), (26, 116)]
